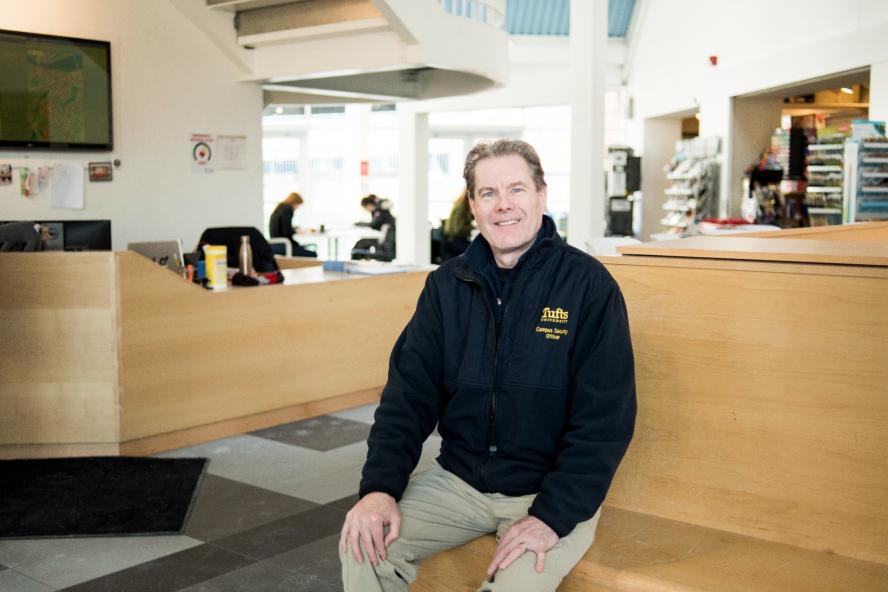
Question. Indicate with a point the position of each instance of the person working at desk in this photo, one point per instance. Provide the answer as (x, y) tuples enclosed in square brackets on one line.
[(280, 225), (380, 212), (381, 215), (519, 351)]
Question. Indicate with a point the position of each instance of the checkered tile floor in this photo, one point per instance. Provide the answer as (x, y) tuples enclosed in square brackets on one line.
[(266, 519)]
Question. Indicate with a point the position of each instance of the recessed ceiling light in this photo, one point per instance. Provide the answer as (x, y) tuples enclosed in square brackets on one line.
[(847, 90), (278, 110), (697, 116)]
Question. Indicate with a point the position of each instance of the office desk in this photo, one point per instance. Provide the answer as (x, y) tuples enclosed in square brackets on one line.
[(108, 353)]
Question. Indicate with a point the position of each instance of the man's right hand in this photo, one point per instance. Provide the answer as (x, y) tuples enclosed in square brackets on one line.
[(365, 524)]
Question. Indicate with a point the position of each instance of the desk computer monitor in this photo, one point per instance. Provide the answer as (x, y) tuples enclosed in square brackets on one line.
[(87, 235), (76, 235)]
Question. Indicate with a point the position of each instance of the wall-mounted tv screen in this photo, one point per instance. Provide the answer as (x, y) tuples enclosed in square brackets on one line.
[(55, 92)]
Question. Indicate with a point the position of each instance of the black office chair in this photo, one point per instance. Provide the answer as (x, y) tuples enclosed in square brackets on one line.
[(437, 244), (382, 250), (230, 236)]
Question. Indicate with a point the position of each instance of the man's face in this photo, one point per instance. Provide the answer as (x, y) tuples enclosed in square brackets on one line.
[(507, 206)]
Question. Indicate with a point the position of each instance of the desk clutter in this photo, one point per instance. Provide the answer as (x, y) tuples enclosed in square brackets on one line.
[(224, 256), (208, 266)]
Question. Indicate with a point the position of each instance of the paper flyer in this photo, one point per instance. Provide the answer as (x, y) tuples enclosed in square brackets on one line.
[(67, 186), (230, 152)]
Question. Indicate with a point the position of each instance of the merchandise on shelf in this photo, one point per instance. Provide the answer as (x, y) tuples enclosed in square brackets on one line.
[(780, 149), (693, 193), (824, 195), (867, 180)]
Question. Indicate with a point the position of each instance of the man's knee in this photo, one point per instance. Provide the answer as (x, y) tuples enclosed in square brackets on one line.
[(522, 576), (396, 572)]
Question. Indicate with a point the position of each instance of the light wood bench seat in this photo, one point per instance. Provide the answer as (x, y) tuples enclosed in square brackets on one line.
[(643, 553)]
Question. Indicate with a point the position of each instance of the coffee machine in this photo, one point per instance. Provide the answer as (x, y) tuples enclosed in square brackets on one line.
[(623, 180)]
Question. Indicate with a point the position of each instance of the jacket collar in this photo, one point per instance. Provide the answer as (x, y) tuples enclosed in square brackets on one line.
[(478, 259)]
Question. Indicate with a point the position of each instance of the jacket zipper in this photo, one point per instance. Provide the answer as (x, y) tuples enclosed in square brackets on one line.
[(491, 413), (492, 448)]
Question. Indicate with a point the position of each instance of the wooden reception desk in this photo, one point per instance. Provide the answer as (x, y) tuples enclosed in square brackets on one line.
[(108, 353)]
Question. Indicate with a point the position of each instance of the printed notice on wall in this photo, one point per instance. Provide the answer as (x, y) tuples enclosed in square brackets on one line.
[(202, 153), (230, 152), (67, 186)]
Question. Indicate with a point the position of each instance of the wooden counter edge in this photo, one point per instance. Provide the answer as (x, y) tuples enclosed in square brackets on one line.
[(747, 265), (761, 249)]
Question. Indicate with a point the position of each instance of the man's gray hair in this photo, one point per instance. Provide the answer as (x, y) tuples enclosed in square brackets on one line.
[(484, 150)]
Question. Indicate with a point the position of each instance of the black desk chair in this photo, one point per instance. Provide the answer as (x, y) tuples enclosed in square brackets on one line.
[(230, 236), (382, 250)]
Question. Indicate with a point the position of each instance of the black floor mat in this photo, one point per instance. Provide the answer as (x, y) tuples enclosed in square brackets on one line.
[(96, 496)]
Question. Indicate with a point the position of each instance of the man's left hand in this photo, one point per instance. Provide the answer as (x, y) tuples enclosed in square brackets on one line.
[(528, 534)]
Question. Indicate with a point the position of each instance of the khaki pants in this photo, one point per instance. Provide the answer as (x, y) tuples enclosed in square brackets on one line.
[(440, 511)]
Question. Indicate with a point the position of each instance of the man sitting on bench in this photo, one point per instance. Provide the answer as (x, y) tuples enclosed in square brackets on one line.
[(519, 351)]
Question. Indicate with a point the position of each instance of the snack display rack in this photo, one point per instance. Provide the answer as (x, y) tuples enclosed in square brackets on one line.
[(826, 176), (866, 186), (693, 192)]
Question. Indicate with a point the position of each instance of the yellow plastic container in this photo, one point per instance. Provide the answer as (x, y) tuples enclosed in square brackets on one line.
[(217, 266)]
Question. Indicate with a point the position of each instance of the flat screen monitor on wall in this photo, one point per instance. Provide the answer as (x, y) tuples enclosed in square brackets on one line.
[(55, 92)]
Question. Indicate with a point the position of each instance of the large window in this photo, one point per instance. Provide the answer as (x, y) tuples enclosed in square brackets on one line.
[(281, 170), (382, 154), (319, 153), (316, 153)]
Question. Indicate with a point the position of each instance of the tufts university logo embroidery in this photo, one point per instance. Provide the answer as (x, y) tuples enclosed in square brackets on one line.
[(556, 315)]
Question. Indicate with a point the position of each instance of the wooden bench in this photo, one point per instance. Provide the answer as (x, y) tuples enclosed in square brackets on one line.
[(760, 460), (643, 553)]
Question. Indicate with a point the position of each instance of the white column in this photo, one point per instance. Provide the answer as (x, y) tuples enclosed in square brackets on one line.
[(660, 135), (716, 120), (588, 46), (413, 239), (878, 109)]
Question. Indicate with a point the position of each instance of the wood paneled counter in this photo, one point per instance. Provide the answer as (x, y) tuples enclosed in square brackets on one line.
[(763, 385), (108, 353)]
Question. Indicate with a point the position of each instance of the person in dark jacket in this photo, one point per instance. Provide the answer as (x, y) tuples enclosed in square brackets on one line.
[(280, 225), (380, 212), (519, 351), (380, 215)]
